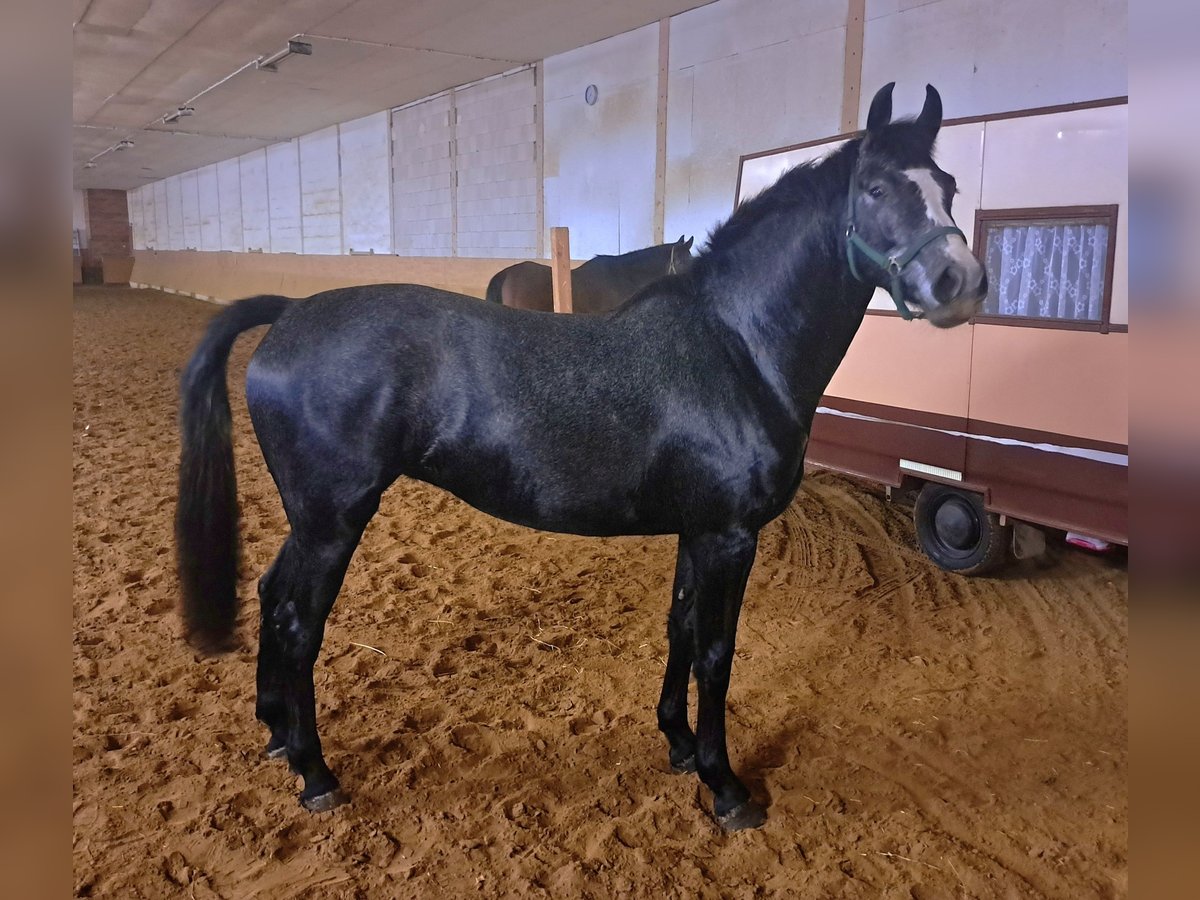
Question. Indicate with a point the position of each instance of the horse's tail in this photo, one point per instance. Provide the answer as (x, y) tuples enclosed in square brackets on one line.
[(493, 294), (206, 519)]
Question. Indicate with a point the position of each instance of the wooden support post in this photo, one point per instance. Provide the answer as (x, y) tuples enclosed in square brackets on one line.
[(539, 154), (660, 140), (852, 71), (560, 268)]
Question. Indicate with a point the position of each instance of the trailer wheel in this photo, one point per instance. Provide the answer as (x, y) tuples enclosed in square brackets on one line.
[(957, 533)]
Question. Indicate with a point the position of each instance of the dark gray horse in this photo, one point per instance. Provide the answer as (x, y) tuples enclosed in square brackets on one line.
[(685, 411), (600, 284)]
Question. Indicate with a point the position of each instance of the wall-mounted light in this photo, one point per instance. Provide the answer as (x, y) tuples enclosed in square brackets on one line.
[(89, 165), (123, 144), (294, 48)]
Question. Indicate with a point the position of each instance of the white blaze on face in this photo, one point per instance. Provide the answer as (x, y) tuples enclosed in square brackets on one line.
[(932, 194), (935, 211)]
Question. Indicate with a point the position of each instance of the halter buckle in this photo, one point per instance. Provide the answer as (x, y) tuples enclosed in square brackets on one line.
[(894, 268)]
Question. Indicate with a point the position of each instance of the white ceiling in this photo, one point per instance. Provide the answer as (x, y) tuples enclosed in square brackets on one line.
[(136, 60)]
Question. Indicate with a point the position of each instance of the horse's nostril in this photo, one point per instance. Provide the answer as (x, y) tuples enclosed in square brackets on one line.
[(949, 285)]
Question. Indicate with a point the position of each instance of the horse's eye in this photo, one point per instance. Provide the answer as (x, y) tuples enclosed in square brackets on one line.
[(876, 191)]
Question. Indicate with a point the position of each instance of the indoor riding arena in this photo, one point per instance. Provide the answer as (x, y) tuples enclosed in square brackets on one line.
[(710, 420)]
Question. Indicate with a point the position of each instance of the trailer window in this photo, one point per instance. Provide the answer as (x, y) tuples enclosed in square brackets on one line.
[(1048, 267)]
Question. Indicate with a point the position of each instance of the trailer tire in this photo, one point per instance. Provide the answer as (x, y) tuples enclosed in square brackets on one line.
[(957, 533)]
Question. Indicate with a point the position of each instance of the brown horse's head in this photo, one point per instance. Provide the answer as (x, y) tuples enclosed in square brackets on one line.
[(681, 257)]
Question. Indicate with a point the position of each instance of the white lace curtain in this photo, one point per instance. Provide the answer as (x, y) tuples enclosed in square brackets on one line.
[(1047, 270)]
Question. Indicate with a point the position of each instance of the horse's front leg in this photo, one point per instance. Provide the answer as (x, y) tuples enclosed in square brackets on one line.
[(720, 565), (672, 704)]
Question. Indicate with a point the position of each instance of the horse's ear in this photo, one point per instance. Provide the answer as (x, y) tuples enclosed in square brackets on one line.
[(880, 113), (688, 245), (930, 119)]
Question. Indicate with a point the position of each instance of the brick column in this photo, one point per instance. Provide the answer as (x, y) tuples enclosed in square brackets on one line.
[(109, 234)]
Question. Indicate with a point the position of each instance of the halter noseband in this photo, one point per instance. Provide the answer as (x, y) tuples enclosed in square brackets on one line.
[(893, 265)]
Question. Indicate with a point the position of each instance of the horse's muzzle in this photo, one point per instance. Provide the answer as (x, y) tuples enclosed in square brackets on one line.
[(958, 293)]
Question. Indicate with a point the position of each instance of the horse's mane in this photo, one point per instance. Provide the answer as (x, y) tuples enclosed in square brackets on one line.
[(809, 185), (637, 255)]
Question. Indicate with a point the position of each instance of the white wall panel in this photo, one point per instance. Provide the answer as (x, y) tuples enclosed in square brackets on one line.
[(732, 27), (496, 165), (364, 147), (175, 236), (600, 159), (423, 178), (256, 213), (162, 231), (189, 192), (320, 192), (283, 191), (133, 200), (993, 57), (745, 75), (229, 194), (149, 218), (210, 208)]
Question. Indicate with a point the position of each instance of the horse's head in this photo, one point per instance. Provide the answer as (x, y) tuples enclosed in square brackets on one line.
[(680, 258), (900, 234)]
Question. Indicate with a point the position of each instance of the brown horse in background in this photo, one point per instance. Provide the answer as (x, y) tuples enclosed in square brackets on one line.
[(600, 284)]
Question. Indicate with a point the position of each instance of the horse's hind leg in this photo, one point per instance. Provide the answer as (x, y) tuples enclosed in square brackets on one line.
[(721, 565), (270, 707), (311, 568), (672, 704)]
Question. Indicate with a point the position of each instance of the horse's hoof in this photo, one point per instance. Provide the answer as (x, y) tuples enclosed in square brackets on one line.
[(274, 751), (325, 802), (684, 767), (748, 815)]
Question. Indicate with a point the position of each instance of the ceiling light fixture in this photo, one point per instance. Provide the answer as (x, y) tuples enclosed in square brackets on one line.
[(178, 114), (294, 48), (123, 144)]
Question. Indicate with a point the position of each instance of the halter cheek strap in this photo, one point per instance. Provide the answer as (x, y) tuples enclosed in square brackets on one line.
[(893, 265)]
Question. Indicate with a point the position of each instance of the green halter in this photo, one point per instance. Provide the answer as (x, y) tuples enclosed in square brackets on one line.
[(893, 265)]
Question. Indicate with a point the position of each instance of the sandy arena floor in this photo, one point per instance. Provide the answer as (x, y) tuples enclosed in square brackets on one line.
[(916, 734)]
